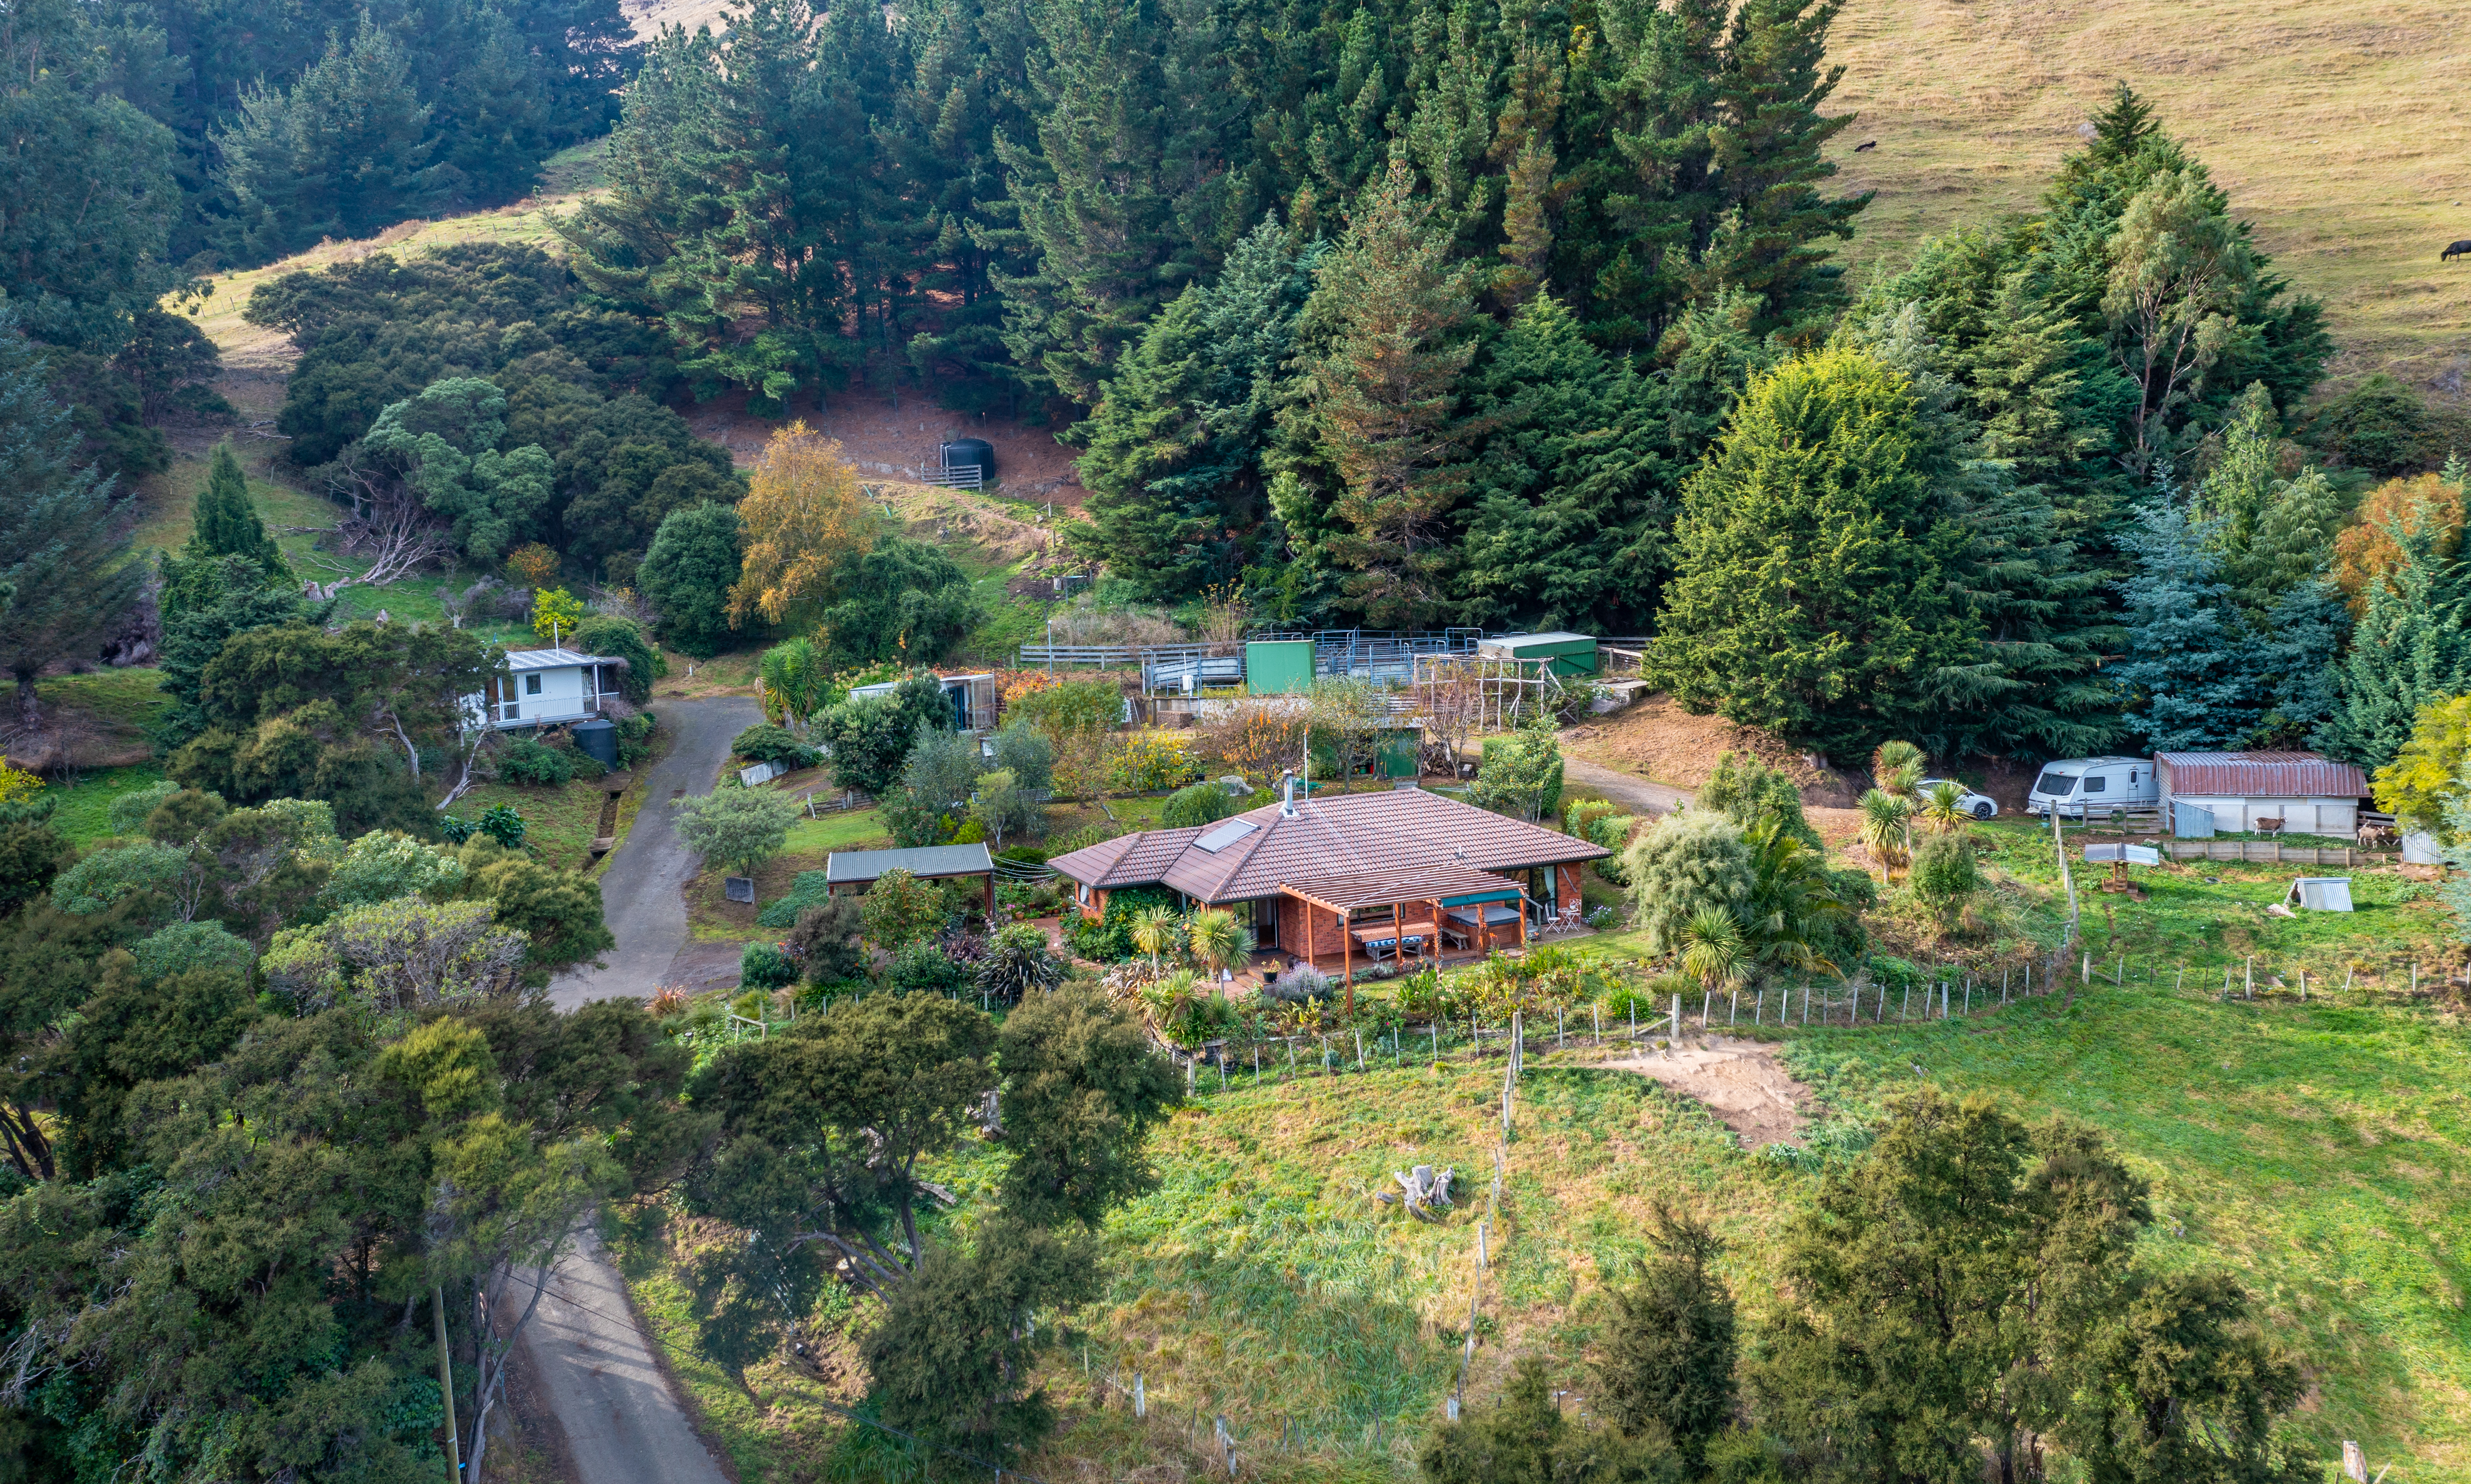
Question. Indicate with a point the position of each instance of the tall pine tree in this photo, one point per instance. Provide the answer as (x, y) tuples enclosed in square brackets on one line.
[(1176, 442), (2189, 675), (1384, 438)]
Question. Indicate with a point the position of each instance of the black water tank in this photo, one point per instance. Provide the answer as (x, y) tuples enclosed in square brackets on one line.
[(962, 453), (597, 740)]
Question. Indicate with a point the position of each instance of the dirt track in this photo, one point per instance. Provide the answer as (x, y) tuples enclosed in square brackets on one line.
[(1740, 1082)]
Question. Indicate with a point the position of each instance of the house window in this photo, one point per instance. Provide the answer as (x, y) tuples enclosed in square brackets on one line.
[(532, 685)]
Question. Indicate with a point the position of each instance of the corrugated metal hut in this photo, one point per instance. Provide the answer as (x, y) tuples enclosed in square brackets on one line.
[(2310, 794)]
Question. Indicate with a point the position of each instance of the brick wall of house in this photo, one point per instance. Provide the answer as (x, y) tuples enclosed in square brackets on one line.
[(1318, 939)]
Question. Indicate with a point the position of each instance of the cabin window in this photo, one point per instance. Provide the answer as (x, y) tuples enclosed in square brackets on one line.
[(532, 685), (2096, 784)]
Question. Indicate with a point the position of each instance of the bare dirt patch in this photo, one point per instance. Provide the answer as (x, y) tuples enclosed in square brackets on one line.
[(1739, 1081), (898, 438), (1657, 739)]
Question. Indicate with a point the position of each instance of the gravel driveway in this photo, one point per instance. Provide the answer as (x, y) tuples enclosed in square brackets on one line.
[(643, 889)]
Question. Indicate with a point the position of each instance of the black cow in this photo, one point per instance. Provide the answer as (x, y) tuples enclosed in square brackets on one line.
[(2459, 249)]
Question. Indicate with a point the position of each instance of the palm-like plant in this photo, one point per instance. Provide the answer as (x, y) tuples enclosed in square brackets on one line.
[(1942, 807), (1713, 951), (1217, 939), (1898, 767), (1155, 932), (1793, 910), (1886, 823)]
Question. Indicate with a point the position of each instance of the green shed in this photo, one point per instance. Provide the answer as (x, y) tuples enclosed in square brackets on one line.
[(1399, 753), (1571, 653), (1278, 667)]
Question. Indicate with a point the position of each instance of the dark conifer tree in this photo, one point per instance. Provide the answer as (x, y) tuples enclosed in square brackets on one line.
[(225, 518), (62, 557)]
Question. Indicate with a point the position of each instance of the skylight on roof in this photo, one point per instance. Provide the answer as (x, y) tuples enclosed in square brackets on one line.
[(1225, 835)]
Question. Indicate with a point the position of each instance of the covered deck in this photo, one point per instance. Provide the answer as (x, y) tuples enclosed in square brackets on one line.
[(1422, 914)]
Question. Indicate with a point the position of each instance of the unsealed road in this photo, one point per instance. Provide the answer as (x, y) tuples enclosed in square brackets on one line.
[(643, 889), (622, 1423)]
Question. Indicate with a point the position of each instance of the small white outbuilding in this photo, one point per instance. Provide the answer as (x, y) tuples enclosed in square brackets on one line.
[(544, 688), (2310, 794)]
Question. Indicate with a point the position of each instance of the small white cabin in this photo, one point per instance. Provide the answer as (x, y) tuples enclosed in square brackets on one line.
[(544, 688), (2310, 794)]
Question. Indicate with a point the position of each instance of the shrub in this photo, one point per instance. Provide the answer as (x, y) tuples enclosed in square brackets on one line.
[(766, 967), (501, 824), (1690, 861), (621, 638), (129, 811), (900, 910), (765, 742), (1945, 875), (1520, 775), (634, 739), (105, 877), (1196, 803), (1154, 760), (1016, 964), (1746, 789), (1302, 985), (824, 939), (187, 946), (926, 967), (1109, 938), (810, 889), (455, 828)]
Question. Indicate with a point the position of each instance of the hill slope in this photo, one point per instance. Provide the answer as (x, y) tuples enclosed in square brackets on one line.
[(2331, 123)]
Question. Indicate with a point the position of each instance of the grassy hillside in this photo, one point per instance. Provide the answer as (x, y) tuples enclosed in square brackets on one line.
[(2321, 1149), (2334, 124)]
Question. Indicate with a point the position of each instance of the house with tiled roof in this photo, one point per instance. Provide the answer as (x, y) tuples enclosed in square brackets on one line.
[(1348, 879)]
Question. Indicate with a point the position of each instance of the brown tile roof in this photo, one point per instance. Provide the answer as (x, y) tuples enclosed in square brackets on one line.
[(1348, 835)]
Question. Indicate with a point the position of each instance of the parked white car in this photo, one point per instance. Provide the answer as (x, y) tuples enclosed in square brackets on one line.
[(2073, 785), (1981, 806)]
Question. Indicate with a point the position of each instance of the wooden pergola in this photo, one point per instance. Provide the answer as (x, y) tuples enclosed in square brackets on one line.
[(1440, 889)]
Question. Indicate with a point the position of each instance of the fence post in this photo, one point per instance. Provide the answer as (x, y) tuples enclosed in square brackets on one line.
[(1677, 1017), (1707, 1000)]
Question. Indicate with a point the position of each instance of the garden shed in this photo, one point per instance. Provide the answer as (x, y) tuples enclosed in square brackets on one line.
[(2310, 794), (863, 868)]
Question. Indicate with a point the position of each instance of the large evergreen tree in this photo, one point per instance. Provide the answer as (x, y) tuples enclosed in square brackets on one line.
[(1574, 492), (64, 560), (226, 519), (2410, 650), (1381, 438), (1177, 496), (345, 150), (1811, 595), (2189, 674)]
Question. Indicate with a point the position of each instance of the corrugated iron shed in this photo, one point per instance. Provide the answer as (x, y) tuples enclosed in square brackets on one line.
[(2261, 776)]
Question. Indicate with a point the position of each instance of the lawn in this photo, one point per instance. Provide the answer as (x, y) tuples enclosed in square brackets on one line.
[(560, 823), (711, 916), (2317, 1148), (84, 812)]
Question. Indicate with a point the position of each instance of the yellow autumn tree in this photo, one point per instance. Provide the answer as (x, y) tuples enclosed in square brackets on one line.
[(803, 513), (2367, 550)]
